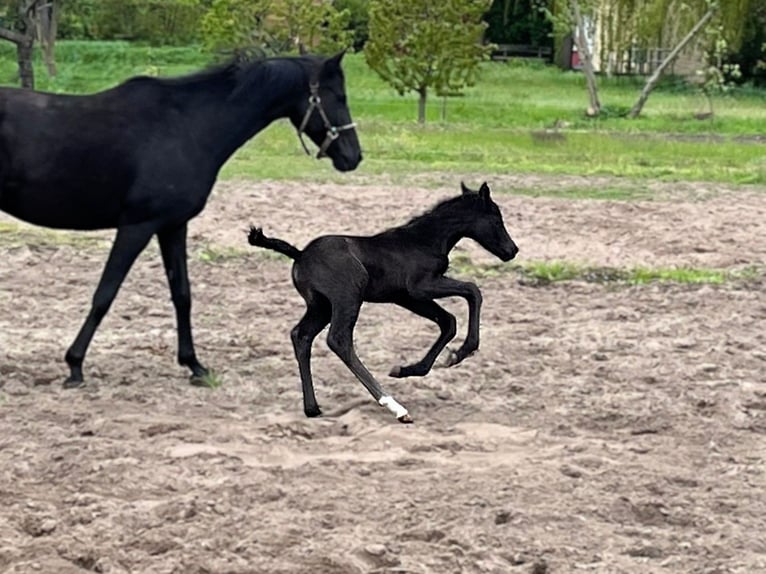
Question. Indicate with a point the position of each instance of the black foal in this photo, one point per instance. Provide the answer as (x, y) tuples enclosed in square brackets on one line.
[(405, 265)]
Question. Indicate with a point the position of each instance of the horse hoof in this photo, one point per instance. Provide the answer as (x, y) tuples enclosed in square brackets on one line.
[(71, 383), (452, 359), (396, 372), (313, 413), (405, 419)]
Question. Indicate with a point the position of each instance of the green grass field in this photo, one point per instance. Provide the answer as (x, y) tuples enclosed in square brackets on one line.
[(497, 127)]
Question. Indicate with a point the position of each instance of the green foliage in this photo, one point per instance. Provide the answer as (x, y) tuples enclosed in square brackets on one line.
[(517, 22), (415, 45), (275, 26), (232, 24), (158, 22), (359, 18), (718, 75), (751, 55)]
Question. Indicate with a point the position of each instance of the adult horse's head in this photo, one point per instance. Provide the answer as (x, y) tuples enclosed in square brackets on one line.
[(324, 117)]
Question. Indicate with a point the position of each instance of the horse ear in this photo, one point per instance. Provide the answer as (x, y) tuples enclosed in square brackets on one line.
[(332, 64), (484, 191), (464, 189)]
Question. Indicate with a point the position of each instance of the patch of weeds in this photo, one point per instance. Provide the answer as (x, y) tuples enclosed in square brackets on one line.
[(216, 254), (461, 264), (541, 273), (269, 255), (642, 275), (544, 272), (15, 235), (211, 380)]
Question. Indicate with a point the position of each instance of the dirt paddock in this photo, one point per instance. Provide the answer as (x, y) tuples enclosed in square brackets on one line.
[(601, 428)]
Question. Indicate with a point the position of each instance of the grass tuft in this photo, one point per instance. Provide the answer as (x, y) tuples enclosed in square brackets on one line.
[(210, 380), (541, 273)]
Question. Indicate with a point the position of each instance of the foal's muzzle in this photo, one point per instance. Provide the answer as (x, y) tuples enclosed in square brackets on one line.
[(333, 132)]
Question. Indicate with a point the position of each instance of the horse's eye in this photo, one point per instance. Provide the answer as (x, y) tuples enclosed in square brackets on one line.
[(342, 99)]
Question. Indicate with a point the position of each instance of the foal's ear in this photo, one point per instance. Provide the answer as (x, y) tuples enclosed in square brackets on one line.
[(484, 191), (465, 190)]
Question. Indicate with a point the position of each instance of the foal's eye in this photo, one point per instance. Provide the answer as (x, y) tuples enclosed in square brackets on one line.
[(342, 99)]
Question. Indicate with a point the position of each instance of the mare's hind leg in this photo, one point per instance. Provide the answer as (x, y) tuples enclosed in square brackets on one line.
[(446, 321), (345, 312), (173, 249), (128, 243), (303, 334)]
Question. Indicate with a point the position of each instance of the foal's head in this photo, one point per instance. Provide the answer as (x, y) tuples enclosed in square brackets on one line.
[(324, 115), (485, 223)]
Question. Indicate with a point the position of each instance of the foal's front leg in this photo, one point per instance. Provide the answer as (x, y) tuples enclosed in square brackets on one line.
[(446, 321), (441, 287)]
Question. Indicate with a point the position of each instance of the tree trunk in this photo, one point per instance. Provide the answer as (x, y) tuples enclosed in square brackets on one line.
[(24, 40), (47, 24), (655, 77), (587, 61), (422, 92), (24, 58)]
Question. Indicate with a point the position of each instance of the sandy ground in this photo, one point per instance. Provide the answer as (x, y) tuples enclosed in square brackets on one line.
[(601, 428)]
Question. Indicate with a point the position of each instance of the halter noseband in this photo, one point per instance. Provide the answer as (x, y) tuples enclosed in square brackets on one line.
[(333, 132)]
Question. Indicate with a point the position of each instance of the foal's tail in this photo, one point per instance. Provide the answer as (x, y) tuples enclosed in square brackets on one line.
[(257, 238)]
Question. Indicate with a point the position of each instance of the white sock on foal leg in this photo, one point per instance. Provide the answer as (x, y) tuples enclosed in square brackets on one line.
[(398, 410)]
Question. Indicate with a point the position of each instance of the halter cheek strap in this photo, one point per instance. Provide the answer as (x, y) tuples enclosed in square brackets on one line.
[(333, 132)]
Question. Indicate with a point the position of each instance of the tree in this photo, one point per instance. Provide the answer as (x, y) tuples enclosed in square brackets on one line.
[(415, 45), (359, 16), (275, 26), (46, 24), (655, 77), (23, 35), (579, 17)]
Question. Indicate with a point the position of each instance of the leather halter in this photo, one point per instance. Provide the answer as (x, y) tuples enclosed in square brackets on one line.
[(333, 132)]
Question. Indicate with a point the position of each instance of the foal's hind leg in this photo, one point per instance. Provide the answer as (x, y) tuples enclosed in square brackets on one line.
[(341, 340), (173, 249), (316, 318), (128, 243), (446, 321)]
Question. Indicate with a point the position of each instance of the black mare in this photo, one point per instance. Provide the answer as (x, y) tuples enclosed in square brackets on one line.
[(404, 265), (142, 158)]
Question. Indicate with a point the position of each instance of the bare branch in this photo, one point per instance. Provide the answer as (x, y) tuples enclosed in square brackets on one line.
[(28, 7), (652, 81), (11, 36)]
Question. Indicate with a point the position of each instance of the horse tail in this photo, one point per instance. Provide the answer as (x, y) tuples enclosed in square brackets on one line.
[(257, 238)]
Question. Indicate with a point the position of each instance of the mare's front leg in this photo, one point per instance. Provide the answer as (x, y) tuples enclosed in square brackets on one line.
[(345, 312), (303, 334), (446, 321), (173, 248), (128, 244), (446, 287)]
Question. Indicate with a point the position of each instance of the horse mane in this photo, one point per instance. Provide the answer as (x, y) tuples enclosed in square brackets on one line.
[(442, 210), (236, 74)]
